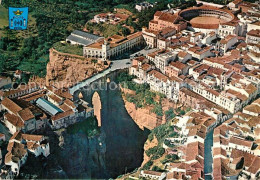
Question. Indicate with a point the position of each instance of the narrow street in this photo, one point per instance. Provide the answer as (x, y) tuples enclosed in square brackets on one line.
[(208, 160)]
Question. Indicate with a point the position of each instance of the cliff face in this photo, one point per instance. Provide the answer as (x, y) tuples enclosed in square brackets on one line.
[(149, 144), (67, 69), (144, 117), (81, 156), (73, 156)]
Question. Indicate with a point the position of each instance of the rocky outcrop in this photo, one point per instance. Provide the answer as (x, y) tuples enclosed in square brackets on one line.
[(144, 117), (66, 69), (149, 144), (80, 156)]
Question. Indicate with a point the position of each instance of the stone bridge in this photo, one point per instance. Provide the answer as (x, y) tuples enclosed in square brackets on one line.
[(96, 89)]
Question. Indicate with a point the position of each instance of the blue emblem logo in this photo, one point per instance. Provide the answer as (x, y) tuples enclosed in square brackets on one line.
[(18, 18)]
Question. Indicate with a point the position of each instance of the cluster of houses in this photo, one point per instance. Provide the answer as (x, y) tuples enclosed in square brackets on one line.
[(236, 145), (19, 147), (217, 74), (192, 66), (31, 109), (110, 18)]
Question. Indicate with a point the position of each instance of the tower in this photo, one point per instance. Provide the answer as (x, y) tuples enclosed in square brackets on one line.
[(105, 48)]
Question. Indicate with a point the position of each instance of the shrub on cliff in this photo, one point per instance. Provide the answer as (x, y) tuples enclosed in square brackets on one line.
[(169, 114), (170, 158), (155, 152), (158, 109), (148, 165), (156, 168), (88, 127)]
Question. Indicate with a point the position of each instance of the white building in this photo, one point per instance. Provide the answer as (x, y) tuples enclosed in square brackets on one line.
[(153, 175), (226, 43), (113, 46), (143, 6)]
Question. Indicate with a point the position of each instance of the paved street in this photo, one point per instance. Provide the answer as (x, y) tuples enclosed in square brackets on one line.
[(116, 65)]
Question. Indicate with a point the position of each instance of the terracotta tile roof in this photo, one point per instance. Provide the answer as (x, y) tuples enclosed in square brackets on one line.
[(254, 32), (14, 120), (31, 137), (32, 145), (152, 173), (168, 17), (11, 105), (253, 108), (254, 121), (158, 13), (64, 107), (250, 89), (242, 142), (26, 114), (146, 67), (219, 151), (193, 150), (62, 115), (178, 65), (15, 152), (175, 175), (158, 75), (227, 39), (69, 103), (255, 166), (248, 158), (63, 93), (55, 98), (182, 54)]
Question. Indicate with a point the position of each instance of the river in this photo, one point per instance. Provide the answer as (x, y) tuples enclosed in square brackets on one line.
[(208, 160)]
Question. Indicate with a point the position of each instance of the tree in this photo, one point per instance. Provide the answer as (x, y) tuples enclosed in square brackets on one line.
[(125, 31), (169, 114)]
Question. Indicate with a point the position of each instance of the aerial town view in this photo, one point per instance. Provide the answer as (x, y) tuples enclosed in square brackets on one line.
[(130, 89)]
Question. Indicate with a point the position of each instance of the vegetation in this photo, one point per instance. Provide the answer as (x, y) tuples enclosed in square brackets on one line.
[(88, 127), (170, 158), (155, 152), (148, 165), (156, 168), (150, 137), (158, 109), (168, 143), (68, 48), (51, 21), (169, 114), (107, 30)]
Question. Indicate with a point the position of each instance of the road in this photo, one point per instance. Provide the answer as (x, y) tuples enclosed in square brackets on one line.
[(116, 65), (208, 159)]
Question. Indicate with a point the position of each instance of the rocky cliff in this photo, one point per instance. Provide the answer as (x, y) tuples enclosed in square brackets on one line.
[(75, 156), (81, 156), (144, 117), (66, 69), (149, 144)]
